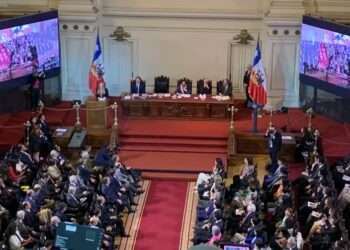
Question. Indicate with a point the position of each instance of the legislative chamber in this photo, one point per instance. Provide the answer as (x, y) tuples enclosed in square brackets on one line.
[(191, 125)]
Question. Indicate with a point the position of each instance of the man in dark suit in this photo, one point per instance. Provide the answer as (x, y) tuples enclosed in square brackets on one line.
[(246, 79), (44, 126), (29, 216), (274, 145), (247, 220), (204, 87), (225, 89), (138, 86), (109, 218), (24, 156), (104, 157)]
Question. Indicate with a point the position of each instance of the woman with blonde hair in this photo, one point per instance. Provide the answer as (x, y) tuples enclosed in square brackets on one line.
[(44, 216)]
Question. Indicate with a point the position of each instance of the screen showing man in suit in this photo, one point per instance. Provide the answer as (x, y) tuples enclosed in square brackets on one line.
[(138, 86)]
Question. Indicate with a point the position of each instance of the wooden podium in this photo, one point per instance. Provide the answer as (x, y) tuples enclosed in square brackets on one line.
[(97, 118)]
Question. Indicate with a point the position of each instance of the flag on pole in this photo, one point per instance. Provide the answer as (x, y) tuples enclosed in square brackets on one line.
[(257, 81), (96, 69)]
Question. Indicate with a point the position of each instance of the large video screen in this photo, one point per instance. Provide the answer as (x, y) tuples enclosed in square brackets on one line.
[(325, 56), (26, 44)]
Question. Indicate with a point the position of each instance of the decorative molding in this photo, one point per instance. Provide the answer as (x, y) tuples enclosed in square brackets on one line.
[(286, 9), (243, 37), (119, 34), (69, 27), (78, 10), (188, 14), (184, 28)]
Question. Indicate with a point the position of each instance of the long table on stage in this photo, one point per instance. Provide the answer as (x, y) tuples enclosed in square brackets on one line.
[(191, 108)]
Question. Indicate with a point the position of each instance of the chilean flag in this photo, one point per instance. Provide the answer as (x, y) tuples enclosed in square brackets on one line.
[(94, 78), (257, 81)]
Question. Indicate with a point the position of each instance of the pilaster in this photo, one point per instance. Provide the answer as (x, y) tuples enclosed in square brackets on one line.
[(78, 10), (283, 23)]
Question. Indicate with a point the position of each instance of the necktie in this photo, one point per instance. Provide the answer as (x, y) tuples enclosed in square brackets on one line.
[(138, 89)]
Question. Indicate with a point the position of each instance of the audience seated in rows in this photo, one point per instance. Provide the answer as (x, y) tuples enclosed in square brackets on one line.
[(93, 192)]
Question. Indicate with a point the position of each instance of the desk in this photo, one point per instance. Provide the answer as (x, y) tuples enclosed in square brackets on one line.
[(249, 143), (189, 108), (62, 139), (96, 113), (76, 143)]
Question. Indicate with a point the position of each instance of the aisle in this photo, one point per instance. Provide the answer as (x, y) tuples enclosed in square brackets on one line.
[(162, 217)]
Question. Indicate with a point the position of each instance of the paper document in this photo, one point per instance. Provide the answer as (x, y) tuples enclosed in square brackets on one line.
[(346, 177), (127, 97), (60, 131), (287, 137)]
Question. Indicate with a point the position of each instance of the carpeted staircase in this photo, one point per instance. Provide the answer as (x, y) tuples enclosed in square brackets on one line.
[(177, 153)]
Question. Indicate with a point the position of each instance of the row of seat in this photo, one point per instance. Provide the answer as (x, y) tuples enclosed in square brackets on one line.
[(161, 84)]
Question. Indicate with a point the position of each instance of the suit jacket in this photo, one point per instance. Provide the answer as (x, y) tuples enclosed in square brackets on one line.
[(110, 195), (29, 218), (23, 230), (72, 201), (61, 215), (121, 176), (225, 90), (84, 173), (246, 222), (32, 202), (202, 90), (246, 77), (135, 90), (105, 215), (180, 90), (275, 142), (45, 129), (45, 191), (26, 158), (102, 157), (115, 184)]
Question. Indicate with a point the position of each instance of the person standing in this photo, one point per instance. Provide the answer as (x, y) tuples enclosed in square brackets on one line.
[(246, 80), (35, 87), (274, 145)]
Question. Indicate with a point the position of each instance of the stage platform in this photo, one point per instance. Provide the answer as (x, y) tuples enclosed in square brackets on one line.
[(152, 144)]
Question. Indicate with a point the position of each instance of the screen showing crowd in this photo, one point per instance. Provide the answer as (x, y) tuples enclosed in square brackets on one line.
[(27, 47), (325, 55)]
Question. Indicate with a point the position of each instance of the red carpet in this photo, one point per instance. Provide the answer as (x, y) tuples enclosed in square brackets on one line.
[(161, 221), (168, 161)]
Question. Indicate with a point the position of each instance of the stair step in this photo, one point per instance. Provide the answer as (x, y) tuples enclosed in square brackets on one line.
[(169, 176), (173, 141), (173, 136), (169, 148)]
